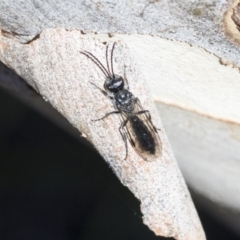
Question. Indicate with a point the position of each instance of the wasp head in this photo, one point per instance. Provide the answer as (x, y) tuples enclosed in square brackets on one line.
[(114, 84)]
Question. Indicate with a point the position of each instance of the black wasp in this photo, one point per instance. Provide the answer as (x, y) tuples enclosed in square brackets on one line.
[(136, 124)]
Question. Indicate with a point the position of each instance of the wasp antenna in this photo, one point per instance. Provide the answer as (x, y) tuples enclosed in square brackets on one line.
[(109, 73), (97, 62), (112, 60)]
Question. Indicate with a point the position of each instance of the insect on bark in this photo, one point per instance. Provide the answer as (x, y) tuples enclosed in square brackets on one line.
[(136, 123)]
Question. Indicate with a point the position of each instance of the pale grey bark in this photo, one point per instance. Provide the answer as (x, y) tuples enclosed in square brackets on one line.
[(51, 66), (41, 42)]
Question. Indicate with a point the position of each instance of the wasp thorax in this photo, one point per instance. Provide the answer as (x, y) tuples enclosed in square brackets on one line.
[(114, 84), (123, 97)]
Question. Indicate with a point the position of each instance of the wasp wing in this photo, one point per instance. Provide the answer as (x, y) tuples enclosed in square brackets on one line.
[(142, 134)]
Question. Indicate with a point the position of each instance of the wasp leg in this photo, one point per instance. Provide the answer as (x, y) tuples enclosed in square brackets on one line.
[(124, 137), (102, 91), (106, 115), (147, 114)]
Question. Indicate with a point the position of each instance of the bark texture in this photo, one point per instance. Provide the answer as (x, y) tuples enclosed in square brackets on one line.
[(51, 66), (188, 53)]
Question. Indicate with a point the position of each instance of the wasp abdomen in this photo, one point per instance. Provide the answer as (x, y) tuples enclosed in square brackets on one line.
[(143, 135)]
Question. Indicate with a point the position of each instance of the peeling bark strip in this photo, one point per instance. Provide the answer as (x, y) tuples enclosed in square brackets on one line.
[(53, 65)]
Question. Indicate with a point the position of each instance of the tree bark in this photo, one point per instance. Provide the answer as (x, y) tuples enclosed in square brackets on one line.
[(187, 53)]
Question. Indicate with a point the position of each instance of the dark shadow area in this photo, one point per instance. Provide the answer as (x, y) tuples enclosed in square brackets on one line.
[(54, 187)]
